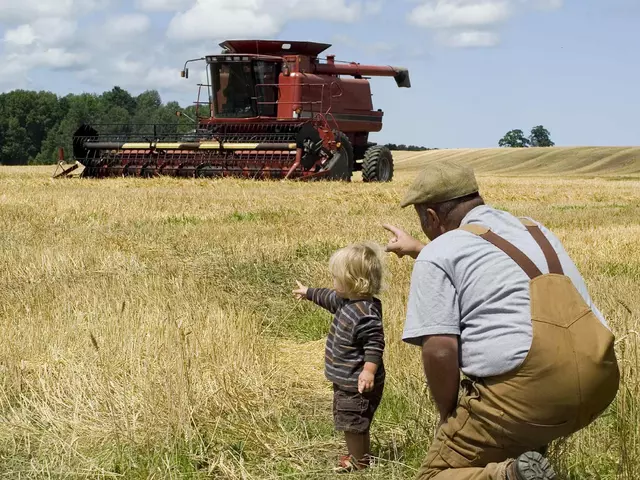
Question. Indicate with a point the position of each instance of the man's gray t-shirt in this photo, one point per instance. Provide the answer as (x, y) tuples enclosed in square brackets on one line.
[(463, 285)]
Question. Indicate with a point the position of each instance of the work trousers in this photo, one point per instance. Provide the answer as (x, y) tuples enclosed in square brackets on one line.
[(568, 379)]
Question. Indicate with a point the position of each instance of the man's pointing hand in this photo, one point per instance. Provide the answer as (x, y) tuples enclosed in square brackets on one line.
[(402, 243)]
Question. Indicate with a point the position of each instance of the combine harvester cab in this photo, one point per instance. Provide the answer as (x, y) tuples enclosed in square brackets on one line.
[(275, 111)]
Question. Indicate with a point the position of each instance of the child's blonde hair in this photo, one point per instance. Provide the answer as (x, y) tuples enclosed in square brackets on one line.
[(359, 269)]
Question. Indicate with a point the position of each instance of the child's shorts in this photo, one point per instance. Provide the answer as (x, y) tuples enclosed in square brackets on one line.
[(353, 411)]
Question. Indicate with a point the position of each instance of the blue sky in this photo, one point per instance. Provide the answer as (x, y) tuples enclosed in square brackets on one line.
[(479, 67)]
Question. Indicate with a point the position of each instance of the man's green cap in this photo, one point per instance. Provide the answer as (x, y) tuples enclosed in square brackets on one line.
[(441, 181)]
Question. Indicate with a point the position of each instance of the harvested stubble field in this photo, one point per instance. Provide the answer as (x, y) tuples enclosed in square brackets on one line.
[(148, 327)]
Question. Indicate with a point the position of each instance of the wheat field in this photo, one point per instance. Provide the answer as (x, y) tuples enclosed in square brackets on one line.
[(149, 331), (568, 161)]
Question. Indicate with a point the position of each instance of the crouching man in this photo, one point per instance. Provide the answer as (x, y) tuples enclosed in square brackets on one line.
[(500, 300)]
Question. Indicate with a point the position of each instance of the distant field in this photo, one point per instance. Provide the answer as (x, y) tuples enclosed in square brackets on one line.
[(582, 161), (148, 327)]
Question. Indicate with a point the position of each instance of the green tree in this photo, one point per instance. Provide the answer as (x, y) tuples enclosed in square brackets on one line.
[(14, 142), (147, 106), (540, 137), (514, 139), (25, 120), (118, 97), (80, 109)]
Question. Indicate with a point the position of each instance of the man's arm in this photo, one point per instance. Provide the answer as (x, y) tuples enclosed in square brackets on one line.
[(433, 323), (442, 370)]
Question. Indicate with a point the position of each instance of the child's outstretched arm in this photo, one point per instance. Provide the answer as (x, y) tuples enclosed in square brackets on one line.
[(370, 333), (323, 297)]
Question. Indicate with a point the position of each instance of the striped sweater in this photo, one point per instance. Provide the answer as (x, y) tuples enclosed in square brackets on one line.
[(355, 337)]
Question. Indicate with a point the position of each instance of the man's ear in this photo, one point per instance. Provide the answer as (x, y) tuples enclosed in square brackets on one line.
[(433, 218)]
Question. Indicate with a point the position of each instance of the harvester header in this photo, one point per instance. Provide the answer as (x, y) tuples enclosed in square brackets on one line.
[(274, 110)]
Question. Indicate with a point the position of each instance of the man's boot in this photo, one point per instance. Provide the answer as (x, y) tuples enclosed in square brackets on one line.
[(530, 466)]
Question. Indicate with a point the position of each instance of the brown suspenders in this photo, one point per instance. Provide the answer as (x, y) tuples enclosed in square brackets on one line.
[(516, 254), (549, 253)]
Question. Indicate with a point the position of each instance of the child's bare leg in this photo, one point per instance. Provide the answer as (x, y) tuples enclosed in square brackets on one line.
[(358, 445)]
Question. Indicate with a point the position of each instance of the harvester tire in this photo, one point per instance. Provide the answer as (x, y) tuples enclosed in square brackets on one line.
[(377, 165), (344, 140), (343, 168)]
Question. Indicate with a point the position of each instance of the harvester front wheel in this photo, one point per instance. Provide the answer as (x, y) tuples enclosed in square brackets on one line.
[(342, 162), (377, 165)]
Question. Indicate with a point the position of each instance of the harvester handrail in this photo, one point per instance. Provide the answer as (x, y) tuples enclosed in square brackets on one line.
[(310, 102), (335, 60), (341, 90), (197, 103), (325, 117)]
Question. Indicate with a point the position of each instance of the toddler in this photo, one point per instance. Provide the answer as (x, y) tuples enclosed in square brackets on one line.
[(355, 344)]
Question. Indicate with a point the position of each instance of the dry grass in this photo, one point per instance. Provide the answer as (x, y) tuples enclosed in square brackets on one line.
[(149, 331), (568, 161)]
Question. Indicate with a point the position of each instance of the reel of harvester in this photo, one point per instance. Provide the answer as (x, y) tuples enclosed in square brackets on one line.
[(295, 150)]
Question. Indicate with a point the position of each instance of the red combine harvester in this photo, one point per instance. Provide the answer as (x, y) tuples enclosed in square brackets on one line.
[(274, 111)]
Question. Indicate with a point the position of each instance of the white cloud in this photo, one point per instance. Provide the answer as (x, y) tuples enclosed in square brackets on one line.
[(470, 39), (460, 13), (41, 34), (55, 31), (217, 19), (471, 23), (45, 31), (52, 58), (21, 11), (44, 43), (344, 11), (167, 78), (548, 4), (124, 27), (57, 59), (163, 5), (21, 36), (138, 75), (369, 47), (113, 48), (373, 7), (127, 66)]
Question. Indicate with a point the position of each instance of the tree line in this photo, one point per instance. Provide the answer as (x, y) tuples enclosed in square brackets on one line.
[(539, 137), (408, 148), (33, 125)]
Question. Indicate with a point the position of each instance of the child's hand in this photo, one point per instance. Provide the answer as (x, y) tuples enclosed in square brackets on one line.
[(301, 292), (366, 381)]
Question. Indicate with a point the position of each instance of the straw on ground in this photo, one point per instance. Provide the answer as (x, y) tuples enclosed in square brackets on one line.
[(149, 329)]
